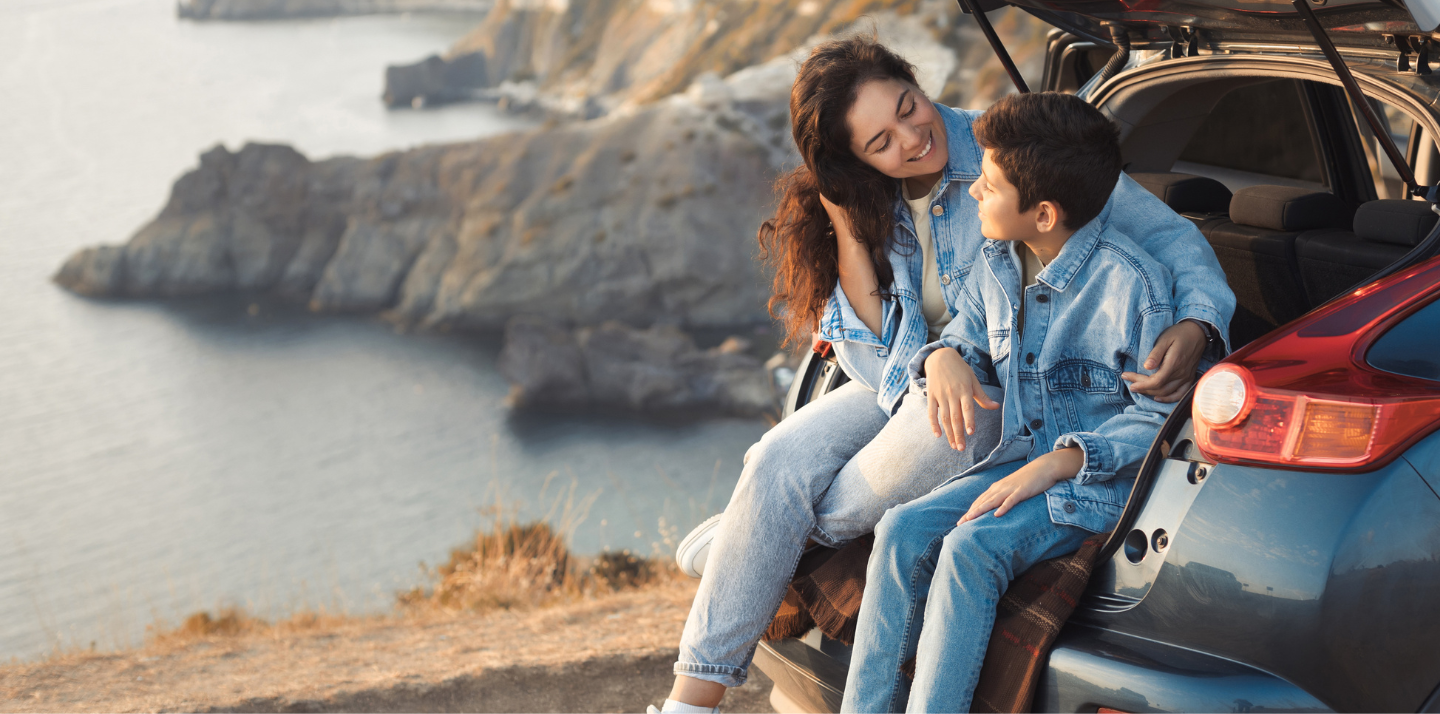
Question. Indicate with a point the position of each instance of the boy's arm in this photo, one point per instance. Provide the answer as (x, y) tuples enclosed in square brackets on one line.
[(1118, 444), (945, 372)]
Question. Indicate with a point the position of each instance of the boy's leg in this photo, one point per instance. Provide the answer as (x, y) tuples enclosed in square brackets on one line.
[(908, 540), (904, 462), (765, 527), (976, 564)]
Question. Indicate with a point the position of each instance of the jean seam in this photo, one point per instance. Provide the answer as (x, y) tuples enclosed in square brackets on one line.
[(744, 672), (893, 704)]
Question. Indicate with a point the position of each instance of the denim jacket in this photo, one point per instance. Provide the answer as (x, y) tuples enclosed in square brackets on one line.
[(1094, 313), (1200, 289)]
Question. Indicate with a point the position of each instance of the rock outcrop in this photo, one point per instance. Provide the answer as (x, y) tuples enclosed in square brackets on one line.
[(657, 369), (643, 217), (589, 58), (285, 9)]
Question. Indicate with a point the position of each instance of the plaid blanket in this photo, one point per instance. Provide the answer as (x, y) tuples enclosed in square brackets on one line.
[(828, 585)]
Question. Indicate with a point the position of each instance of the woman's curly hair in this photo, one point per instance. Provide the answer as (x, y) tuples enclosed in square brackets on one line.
[(798, 242)]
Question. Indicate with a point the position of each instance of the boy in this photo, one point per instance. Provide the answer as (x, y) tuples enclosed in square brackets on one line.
[(1063, 306)]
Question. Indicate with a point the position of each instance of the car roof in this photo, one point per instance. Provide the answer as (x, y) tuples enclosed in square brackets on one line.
[(1349, 22)]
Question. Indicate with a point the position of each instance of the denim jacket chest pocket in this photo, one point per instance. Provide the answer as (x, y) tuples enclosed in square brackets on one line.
[(1083, 391)]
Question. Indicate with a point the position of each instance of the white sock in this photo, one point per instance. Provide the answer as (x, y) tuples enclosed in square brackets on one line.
[(672, 706)]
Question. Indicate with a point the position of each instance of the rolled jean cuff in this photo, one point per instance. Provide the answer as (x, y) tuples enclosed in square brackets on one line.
[(729, 676)]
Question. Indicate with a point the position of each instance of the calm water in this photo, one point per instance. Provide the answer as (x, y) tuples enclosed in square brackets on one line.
[(160, 458)]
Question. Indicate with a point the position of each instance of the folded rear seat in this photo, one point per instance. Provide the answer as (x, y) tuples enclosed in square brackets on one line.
[(1256, 248), (1333, 261), (1196, 197)]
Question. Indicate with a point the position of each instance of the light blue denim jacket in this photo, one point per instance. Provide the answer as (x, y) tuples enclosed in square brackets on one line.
[(1094, 313), (1200, 290)]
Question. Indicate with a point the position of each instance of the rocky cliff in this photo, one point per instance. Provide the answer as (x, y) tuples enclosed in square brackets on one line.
[(645, 215), (589, 58), (285, 9)]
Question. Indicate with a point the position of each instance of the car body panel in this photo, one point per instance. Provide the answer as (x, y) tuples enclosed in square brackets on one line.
[(1090, 668), (1331, 581)]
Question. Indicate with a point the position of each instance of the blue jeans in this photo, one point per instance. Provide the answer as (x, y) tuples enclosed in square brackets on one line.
[(931, 590), (828, 472)]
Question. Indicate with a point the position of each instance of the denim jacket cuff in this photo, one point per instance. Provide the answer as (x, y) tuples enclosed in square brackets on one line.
[(1099, 457), (916, 369), (841, 324), (1204, 313)]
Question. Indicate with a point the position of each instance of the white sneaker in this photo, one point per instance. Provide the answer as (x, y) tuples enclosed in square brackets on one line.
[(674, 706), (693, 551)]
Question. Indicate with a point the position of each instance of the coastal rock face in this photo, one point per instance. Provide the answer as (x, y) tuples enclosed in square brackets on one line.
[(643, 217), (658, 369), (589, 58), (283, 9)]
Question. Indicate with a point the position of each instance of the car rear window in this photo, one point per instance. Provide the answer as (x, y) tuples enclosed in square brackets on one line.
[(1410, 348), (1259, 129)]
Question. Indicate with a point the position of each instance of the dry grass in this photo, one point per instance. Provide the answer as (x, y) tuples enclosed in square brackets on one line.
[(508, 565)]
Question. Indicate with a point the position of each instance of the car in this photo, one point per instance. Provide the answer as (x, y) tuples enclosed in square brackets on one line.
[(1280, 550)]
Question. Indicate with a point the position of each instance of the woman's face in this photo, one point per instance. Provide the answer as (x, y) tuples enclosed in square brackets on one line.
[(895, 129)]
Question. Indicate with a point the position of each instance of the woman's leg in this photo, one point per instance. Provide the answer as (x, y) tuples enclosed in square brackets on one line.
[(908, 541), (904, 462), (763, 532)]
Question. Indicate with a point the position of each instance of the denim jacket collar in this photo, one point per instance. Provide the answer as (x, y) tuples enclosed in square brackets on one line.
[(962, 163), (1064, 267)]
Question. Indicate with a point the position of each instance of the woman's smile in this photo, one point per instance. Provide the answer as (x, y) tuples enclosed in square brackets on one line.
[(929, 144)]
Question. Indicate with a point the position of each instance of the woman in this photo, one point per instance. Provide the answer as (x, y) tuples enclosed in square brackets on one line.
[(872, 240)]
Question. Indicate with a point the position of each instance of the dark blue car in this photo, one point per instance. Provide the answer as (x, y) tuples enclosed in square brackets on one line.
[(1281, 548)]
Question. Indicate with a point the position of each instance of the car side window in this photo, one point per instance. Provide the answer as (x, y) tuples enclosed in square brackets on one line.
[(1413, 139), (1232, 146), (1409, 347)]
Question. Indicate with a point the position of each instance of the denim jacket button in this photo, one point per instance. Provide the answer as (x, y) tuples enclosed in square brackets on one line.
[(1042, 297), (1035, 424), (937, 210), (1030, 358), (1069, 507), (945, 279)]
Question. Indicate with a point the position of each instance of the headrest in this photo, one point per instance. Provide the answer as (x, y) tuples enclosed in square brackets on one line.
[(1395, 221), (1285, 208), (1186, 193)]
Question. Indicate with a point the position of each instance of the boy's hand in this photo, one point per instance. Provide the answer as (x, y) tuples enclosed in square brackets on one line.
[(952, 393), (1031, 480), (1175, 358)]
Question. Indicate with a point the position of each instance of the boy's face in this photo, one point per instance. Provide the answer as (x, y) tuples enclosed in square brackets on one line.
[(895, 129), (1000, 216)]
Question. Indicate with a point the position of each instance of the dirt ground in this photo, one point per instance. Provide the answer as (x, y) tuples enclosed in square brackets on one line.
[(609, 654)]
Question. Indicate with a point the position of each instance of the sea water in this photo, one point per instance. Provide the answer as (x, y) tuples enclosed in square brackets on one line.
[(158, 458)]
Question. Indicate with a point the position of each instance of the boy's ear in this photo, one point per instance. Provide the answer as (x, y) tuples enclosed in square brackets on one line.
[(1049, 216)]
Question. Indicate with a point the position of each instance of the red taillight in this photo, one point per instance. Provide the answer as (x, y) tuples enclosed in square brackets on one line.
[(1304, 397)]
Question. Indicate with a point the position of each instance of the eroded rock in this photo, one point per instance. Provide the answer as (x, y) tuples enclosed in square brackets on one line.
[(612, 365)]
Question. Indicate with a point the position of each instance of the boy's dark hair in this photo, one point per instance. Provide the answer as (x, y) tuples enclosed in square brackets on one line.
[(1054, 147)]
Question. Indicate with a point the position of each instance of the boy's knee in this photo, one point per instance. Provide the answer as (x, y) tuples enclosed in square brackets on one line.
[(976, 550), (899, 534)]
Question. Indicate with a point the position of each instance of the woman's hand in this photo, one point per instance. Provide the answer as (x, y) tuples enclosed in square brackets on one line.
[(952, 391), (1031, 480), (857, 272), (1177, 355)]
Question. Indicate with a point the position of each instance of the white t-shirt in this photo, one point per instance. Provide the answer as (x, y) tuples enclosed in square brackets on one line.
[(932, 302), (1030, 267)]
